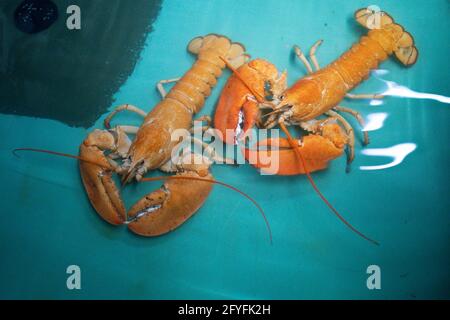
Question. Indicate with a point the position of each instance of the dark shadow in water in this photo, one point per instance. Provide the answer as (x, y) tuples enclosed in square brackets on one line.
[(72, 75)]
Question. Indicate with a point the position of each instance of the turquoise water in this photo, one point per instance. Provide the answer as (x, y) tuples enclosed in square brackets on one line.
[(223, 251)]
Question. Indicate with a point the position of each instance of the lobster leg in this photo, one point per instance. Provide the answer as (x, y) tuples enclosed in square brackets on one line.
[(129, 129), (160, 86), (299, 53), (312, 55), (358, 117), (121, 108), (364, 96), (350, 134)]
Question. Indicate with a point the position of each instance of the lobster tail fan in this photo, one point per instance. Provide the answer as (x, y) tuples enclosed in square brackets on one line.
[(404, 49), (373, 18), (234, 52), (406, 52)]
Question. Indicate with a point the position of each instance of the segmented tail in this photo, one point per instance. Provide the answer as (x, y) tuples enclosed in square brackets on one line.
[(196, 84), (401, 41)]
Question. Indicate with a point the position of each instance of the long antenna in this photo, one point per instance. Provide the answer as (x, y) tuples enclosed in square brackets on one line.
[(61, 155)]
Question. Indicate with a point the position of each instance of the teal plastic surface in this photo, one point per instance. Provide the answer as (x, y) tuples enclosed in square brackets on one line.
[(224, 251)]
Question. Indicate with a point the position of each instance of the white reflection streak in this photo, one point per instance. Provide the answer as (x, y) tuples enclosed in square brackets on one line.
[(394, 89), (376, 102), (380, 72), (397, 152), (375, 121)]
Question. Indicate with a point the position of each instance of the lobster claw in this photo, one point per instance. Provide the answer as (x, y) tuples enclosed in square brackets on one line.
[(170, 206), (279, 158), (177, 200), (158, 212), (238, 109), (97, 178)]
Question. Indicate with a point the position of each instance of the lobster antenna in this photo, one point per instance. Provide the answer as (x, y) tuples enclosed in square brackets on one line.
[(60, 154), (316, 189), (222, 184), (66, 155)]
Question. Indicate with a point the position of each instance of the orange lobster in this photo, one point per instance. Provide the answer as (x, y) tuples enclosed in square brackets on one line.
[(105, 152), (257, 86)]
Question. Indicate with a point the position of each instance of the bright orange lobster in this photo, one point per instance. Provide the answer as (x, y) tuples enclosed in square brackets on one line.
[(257, 86)]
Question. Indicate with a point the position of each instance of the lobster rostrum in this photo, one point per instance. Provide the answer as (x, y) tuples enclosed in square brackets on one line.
[(257, 94)]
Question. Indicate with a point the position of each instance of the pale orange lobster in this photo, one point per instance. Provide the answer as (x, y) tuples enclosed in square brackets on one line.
[(105, 152), (257, 94), (178, 199)]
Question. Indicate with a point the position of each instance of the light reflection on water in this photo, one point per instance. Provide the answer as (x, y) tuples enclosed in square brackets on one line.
[(398, 153), (396, 90), (375, 121), (376, 102)]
